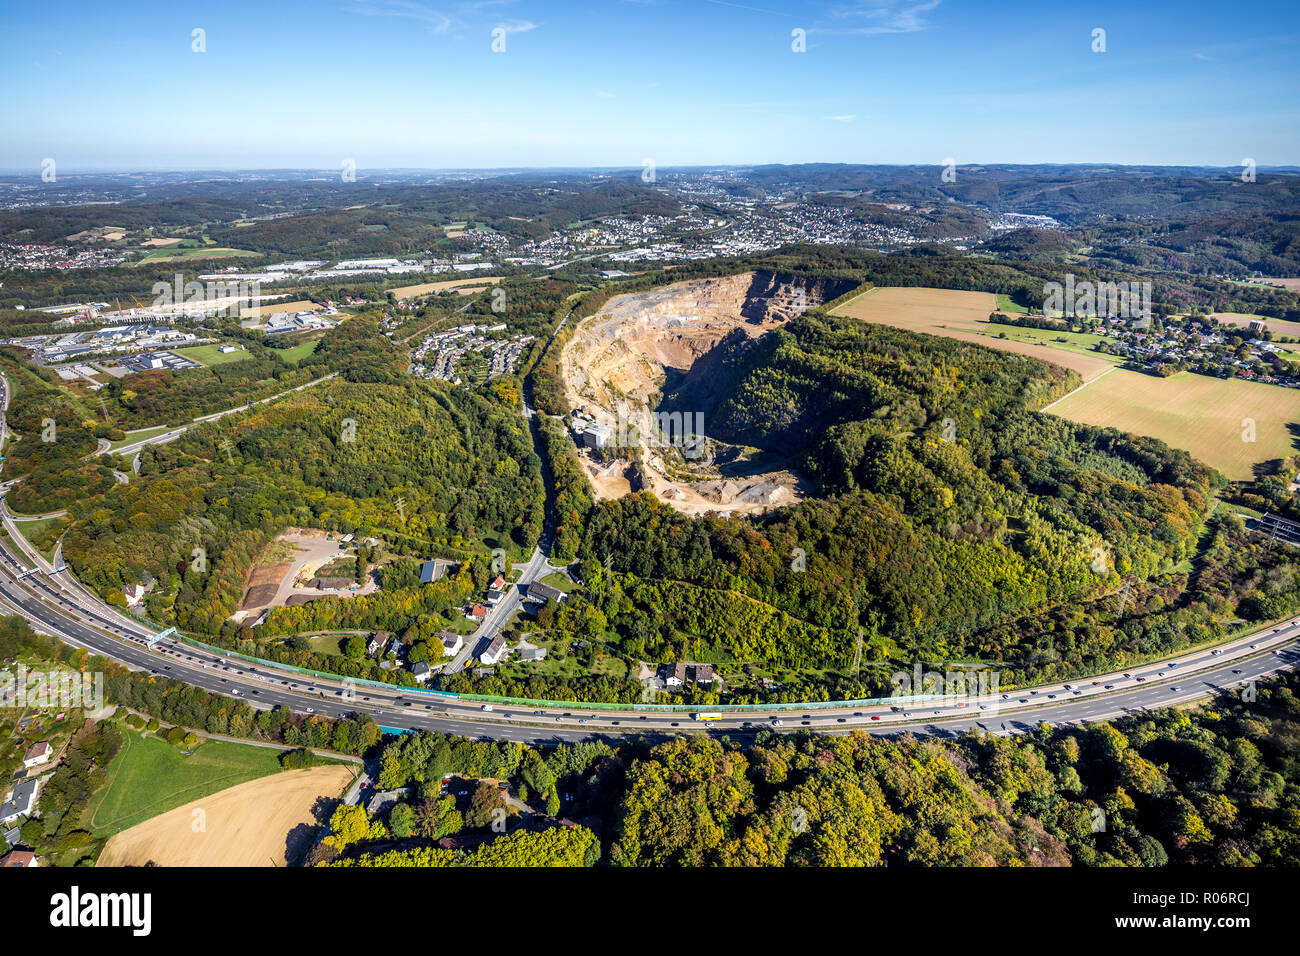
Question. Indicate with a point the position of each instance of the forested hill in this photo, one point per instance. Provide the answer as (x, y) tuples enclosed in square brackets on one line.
[(424, 465), (948, 508), (820, 372)]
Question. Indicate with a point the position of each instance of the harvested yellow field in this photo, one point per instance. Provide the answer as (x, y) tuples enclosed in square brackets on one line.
[(1210, 417), (302, 305), (959, 315), (265, 822), (160, 242), (1276, 326), (462, 285)]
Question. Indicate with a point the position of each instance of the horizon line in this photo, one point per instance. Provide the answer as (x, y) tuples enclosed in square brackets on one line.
[(35, 172)]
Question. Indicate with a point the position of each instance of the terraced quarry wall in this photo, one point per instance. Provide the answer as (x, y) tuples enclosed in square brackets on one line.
[(618, 360)]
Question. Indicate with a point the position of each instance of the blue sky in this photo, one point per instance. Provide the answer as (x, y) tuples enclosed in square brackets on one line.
[(387, 83)]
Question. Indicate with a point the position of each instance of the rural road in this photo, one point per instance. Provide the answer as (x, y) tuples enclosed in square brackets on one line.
[(133, 448)]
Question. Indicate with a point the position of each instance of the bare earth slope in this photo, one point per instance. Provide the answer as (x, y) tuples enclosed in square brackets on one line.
[(616, 364), (266, 822)]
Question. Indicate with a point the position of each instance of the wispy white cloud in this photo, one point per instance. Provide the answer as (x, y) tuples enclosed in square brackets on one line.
[(517, 26), (881, 16), (404, 9), (843, 118), (744, 6)]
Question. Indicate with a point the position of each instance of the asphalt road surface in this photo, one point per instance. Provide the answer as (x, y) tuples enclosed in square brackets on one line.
[(56, 604)]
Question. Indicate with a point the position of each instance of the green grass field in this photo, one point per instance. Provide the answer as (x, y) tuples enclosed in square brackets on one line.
[(559, 581), (138, 436), (1080, 343), (211, 354), (1203, 415), (299, 352), (32, 531), (150, 776), (1006, 305)]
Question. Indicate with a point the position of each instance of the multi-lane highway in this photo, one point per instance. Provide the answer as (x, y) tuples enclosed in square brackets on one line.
[(54, 603), (57, 604)]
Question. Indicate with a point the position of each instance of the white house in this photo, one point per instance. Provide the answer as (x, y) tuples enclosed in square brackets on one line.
[(422, 672), (37, 754), (451, 643), (133, 593), (494, 651)]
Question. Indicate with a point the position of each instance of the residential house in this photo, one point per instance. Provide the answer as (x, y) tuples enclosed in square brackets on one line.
[(451, 643), (532, 654), (133, 594), (496, 590), (682, 672), (19, 858), (477, 613), (422, 672), (378, 643), (495, 651), (37, 754), (537, 591), (434, 570), (20, 803)]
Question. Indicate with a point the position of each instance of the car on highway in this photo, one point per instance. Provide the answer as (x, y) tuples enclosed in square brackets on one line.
[(875, 716), (777, 722), (485, 707)]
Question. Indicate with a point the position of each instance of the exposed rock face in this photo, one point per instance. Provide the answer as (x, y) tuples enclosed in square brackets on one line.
[(619, 361)]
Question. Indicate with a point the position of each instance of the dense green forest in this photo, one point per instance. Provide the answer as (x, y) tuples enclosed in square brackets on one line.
[(1214, 786), (424, 465), (947, 512)]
